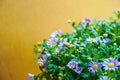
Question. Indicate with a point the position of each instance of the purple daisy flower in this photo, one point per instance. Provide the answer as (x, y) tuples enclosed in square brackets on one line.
[(105, 78), (78, 70), (53, 35), (87, 20), (42, 63), (52, 41), (72, 64), (30, 76), (110, 64), (45, 57), (105, 40), (97, 39), (58, 50), (94, 66), (62, 42), (40, 60)]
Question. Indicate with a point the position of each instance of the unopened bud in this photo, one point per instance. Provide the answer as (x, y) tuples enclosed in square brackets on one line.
[(105, 35)]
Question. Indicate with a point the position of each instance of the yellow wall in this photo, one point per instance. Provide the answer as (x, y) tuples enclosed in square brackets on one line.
[(24, 22)]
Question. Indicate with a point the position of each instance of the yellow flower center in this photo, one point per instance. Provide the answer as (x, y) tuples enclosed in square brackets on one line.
[(95, 66), (73, 65), (92, 40), (53, 43), (67, 44), (111, 64), (41, 64), (105, 34)]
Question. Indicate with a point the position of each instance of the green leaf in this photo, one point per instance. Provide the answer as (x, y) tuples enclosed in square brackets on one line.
[(85, 75)]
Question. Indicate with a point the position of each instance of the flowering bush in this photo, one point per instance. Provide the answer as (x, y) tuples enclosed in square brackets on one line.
[(91, 52)]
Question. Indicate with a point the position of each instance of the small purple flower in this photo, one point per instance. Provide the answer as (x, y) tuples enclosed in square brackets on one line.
[(58, 49), (53, 35), (45, 57), (78, 70), (52, 41), (105, 78), (65, 43), (62, 42), (87, 20), (94, 66), (105, 40), (58, 32), (30, 76), (42, 63), (72, 64), (40, 60), (110, 64), (95, 40)]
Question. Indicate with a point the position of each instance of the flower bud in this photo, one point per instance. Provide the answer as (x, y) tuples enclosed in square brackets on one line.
[(59, 78), (69, 21), (38, 43), (30, 76), (105, 35), (73, 22), (39, 50), (115, 44), (118, 63)]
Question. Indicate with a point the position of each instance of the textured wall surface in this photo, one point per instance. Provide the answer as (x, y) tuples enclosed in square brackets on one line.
[(24, 22)]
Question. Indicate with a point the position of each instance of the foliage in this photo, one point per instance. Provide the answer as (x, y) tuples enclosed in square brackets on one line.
[(91, 52)]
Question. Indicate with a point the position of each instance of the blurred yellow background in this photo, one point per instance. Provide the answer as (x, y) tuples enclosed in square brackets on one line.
[(24, 22)]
